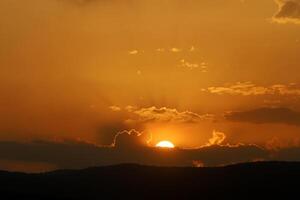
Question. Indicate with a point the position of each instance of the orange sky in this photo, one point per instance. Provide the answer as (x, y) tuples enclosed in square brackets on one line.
[(176, 69)]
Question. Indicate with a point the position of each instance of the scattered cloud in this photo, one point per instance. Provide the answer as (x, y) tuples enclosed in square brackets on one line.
[(251, 89), (133, 52), (191, 66), (266, 115), (289, 11), (175, 50), (162, 49), (188, 65), (115, 108), (165, 114)]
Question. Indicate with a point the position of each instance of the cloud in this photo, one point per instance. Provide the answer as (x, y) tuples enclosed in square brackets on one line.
[(191, 66), (289, 11), (131, 139), (188, 65), (276, 144), (217, 155), (287, 154), (133, 52), (107, 132), (266, 115), (217, 138), (175, 50), (128, 149), (115, 108), (165, 114), (251, 89)]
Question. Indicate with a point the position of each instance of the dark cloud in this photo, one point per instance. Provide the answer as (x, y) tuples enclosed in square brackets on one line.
[(289, 11), (62, 155), (217, 155), (287, 154), (132, 147), (129, 149), (266, 115)]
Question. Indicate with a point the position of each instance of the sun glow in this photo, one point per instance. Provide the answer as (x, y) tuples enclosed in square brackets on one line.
[(165, 144)]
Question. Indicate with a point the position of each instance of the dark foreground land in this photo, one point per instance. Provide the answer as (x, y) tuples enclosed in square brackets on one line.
[(260, 180)]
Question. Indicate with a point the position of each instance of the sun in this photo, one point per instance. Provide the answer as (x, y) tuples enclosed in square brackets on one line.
[(165, 144)]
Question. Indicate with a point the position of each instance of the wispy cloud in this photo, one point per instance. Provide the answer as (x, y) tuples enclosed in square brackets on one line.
[(216, 139), (289, 11), (191, 66), (249, 88), (165, 114), (131, 139)]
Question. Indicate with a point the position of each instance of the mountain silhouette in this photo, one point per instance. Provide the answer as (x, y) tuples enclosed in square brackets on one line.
[(255, 180)]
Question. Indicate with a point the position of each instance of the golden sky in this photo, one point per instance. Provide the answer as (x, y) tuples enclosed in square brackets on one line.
[(178, 70)]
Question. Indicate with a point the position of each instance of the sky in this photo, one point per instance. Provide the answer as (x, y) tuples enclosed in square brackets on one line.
[(211, 76)]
